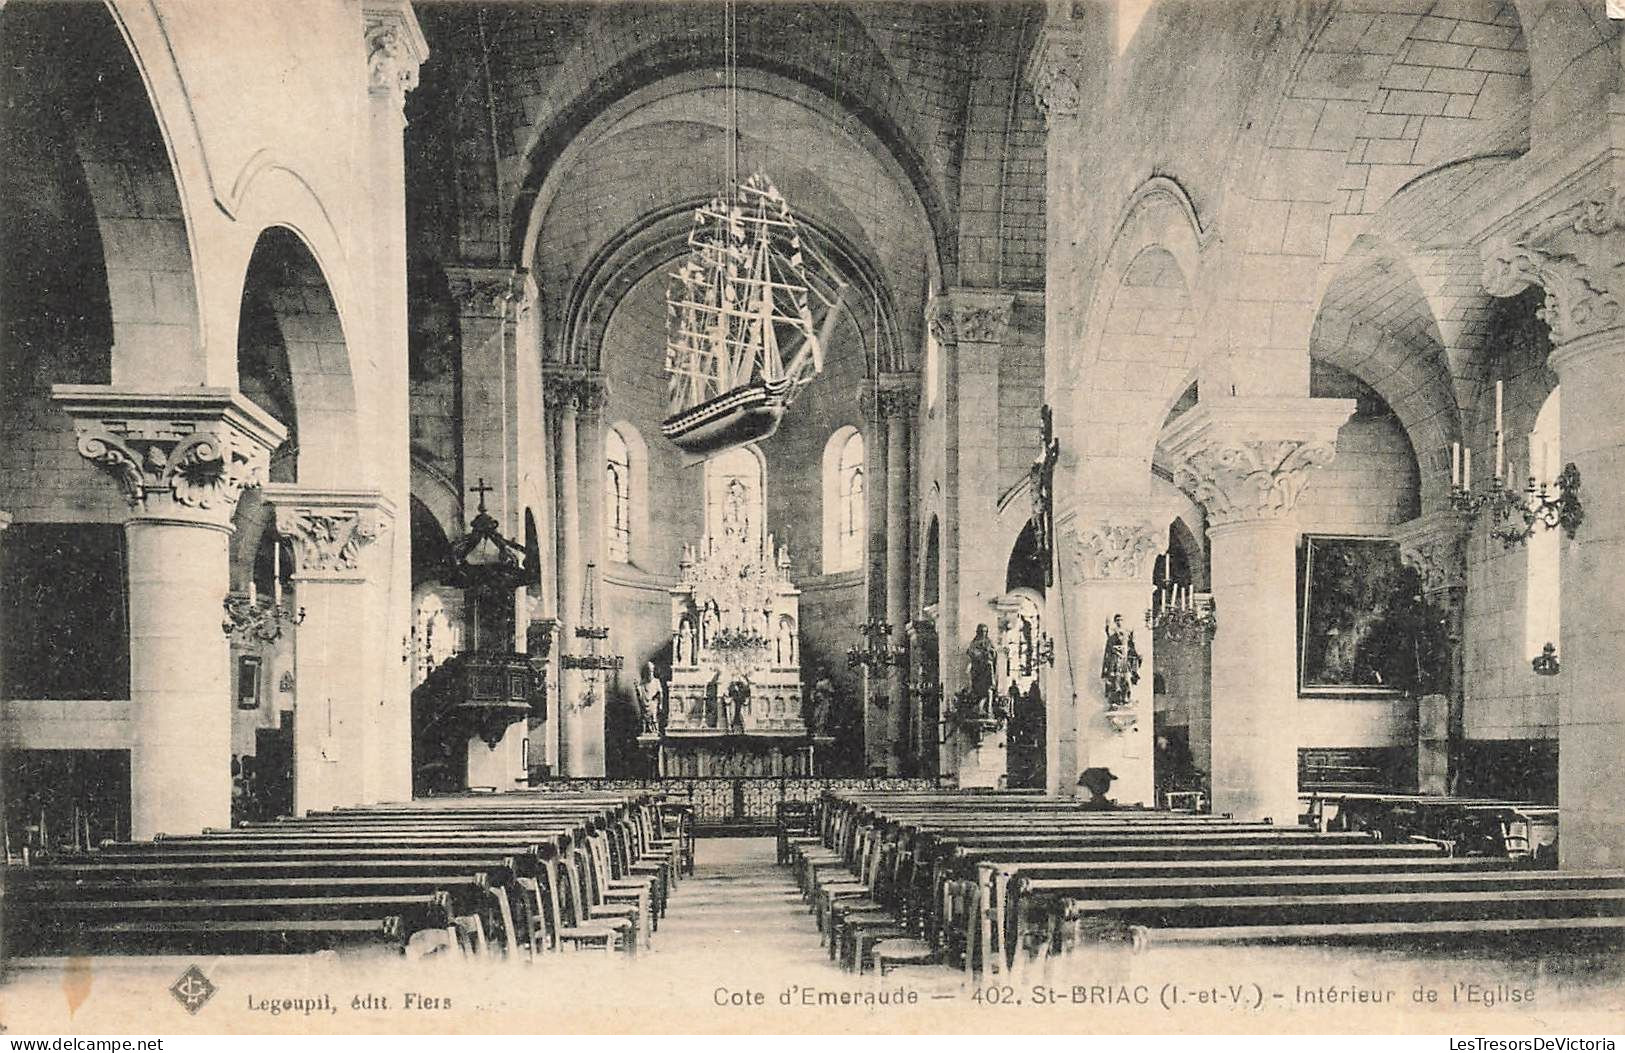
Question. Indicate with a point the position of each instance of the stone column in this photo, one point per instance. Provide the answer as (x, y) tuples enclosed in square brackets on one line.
[(1108, 558), (897, 404), (970, 327), (341, 582), (1247, 460), (395, 49), (1436, 546), (592, 398), (1575, 257), (182, 459)]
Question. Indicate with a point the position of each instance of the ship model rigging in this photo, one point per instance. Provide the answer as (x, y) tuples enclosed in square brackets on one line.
[(748, 313)]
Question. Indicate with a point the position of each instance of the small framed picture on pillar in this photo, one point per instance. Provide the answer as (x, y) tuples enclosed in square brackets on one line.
[(248, 681)]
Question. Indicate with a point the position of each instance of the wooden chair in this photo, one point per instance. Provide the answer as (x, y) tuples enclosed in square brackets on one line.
[(898, 953)]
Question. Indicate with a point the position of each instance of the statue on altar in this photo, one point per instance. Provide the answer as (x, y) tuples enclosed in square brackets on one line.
[(1120, 667), (980, 670), (738, 704), (822, 698)]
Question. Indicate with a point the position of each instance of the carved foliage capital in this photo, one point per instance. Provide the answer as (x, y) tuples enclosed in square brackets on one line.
[(188, 455), (328, 540), (1114, 549), (485, 293), (970, 317), (1436, 547), (1576, 259), (582, 393), (1248, 480)]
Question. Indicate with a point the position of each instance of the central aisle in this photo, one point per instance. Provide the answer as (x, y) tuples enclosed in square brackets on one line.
[(740, 909)]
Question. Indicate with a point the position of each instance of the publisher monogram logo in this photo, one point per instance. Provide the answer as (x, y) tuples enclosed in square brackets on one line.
[(193, 989)]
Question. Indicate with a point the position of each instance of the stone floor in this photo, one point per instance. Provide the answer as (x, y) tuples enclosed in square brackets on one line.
[(740, 906)]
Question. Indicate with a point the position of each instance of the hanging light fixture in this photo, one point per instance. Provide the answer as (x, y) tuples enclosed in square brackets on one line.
[(590, 661), (250, 620)]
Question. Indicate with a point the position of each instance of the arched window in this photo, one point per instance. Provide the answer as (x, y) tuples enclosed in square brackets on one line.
[(1543, 610), (845, 521), (617, 497), (735, 492)]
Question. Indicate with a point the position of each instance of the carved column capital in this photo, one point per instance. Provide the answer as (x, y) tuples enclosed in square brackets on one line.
[(182, 455), (1576, 258), (970, 316), (895, 398), (580, 391), (1056, 71), (1248, 459), (486, 292), (1116, 546), (330, 529), (1436, 545), (395, 48)]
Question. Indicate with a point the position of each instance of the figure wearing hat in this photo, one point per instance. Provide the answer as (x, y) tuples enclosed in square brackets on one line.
[(1097, 781)]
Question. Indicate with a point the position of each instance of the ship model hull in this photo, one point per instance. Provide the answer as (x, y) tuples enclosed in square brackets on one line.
[(747, 414)]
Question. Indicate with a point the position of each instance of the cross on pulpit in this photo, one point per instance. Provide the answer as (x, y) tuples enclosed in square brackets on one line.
[(482, 489)]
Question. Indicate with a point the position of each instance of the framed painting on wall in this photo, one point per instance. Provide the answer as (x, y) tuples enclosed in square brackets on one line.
[(1354, 602), (248, 681)]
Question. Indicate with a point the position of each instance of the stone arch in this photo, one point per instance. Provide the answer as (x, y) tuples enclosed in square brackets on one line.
[(1380, 329), (439, 496), (1138, 349), (681, 43), (630, 256), (287, 296)]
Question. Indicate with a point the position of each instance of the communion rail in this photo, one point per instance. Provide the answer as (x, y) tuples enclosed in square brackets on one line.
[(739, 803)]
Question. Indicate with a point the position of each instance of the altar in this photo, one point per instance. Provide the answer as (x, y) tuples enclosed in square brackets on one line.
[(735, 703)]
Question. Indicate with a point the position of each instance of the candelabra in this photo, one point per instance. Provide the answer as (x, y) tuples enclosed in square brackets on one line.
[(876, 654), (1515, 513), (1179, 614), (251, 620)]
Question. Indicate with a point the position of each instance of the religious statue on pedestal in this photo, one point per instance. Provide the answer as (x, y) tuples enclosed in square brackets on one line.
[(980, 670), (651, 695), (1120, 667), (822, 697), (738, 703)]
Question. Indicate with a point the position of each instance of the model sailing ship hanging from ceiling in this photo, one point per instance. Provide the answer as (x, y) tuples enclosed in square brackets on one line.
[(741, 335), (742, 339)]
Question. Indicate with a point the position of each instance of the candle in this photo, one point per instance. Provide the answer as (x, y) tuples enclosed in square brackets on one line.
[(1455, 464), (252, 597), (1467, 468), (276, 571), (1500, 451)]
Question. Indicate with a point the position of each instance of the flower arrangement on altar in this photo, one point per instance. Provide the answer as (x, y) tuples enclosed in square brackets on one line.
[(738, 648)]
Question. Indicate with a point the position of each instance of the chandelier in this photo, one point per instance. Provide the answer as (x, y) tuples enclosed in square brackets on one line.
[(249, 620), (590, 661), (876, 653)]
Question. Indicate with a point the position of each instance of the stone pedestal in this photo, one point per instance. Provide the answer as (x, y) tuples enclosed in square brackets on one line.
[(343, 722), (1247, 461), (182, 459), (1575, 256)]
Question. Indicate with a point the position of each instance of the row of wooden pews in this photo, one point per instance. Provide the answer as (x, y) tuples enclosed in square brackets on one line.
[(992, 884), (511, 875), (1465, 825)]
